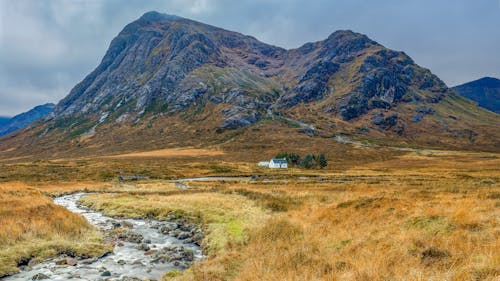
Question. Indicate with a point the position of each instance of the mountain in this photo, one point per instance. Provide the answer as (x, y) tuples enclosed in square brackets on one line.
[(170, 81), (4, 120), (485, 91), (22, 120)]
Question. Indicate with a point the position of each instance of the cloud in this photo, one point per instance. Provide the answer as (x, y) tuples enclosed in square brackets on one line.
[(46, 47)]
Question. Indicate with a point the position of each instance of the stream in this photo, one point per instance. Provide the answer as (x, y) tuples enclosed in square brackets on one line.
[(145, 249)]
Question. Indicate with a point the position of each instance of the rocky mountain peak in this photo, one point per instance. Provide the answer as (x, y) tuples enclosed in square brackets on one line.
[(155, 16), (165, 65)]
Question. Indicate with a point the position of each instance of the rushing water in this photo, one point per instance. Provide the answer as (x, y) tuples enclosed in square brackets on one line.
[(128, 261)]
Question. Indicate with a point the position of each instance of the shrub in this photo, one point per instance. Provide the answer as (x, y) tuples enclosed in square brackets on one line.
[(308, 161), (323, 162)]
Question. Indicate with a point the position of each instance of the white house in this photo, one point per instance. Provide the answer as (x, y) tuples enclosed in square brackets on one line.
[(278, 163)]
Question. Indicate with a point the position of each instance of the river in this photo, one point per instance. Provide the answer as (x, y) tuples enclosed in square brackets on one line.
[(147, 250)]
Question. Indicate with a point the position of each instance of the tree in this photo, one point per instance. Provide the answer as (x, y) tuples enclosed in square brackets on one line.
[(323, 162), (308, 161), (293, 158), (281, 155)]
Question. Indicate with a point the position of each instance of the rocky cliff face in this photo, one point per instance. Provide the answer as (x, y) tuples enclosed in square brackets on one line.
[(163, 63), (177, 75), (485, 91), (25, 119)]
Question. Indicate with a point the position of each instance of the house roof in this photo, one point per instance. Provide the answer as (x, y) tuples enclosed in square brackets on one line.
[(279, 161)]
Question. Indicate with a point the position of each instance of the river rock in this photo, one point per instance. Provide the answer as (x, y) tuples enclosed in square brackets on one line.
[(127, 224), (106, 273), (40, 276), (137, 262), (183, 235), (143, 247), (126, 278), (188, 255), (150, 252), (71, 261), (88, 261), (67, 261)]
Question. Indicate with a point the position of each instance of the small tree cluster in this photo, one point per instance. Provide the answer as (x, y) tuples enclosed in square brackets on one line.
[(309, 161)]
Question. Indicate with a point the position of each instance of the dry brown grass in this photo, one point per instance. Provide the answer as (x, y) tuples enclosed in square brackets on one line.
[(430, 215), (33, 228), (172, 152), (393, 230)]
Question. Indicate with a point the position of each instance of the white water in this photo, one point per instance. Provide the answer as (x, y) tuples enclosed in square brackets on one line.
[(137, 264)]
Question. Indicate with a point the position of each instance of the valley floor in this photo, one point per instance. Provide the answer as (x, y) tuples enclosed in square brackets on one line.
[(431, 215)]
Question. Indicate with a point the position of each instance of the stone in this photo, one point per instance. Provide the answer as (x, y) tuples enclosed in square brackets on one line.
[(40, 276), (188, 255), (183, 235), (137, 262), (150, 252), (106, 273), (143, 247), (88, 261), (127, 224), (71, 262)]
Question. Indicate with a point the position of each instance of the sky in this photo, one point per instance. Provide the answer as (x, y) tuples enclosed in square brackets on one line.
[(48, 46)]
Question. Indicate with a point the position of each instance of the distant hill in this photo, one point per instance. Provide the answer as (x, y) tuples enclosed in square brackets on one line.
[(167, 81), (4, 120), (485, 91), (8, 125)]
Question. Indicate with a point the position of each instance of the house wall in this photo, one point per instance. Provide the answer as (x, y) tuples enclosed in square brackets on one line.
[(277, 165)]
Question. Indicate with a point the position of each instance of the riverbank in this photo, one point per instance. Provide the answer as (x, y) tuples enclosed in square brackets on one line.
[(143, 249), (33, 228)]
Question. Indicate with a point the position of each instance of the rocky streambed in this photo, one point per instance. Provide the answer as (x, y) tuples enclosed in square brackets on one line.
[(143, 249)]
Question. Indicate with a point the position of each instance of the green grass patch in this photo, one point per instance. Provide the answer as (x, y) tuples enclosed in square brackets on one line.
[(431, 225)]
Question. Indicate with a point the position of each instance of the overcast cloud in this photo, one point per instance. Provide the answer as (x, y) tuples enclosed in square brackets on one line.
[(47, 46)]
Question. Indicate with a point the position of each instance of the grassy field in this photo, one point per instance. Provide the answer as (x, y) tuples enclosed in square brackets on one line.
[(426, 215)]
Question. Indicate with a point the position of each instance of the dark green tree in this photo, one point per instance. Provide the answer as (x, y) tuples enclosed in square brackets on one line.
[(293, 158), (281, 155), (323, 162), (308, 162)]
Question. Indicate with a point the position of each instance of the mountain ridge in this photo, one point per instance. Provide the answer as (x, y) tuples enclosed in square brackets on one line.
[(25, 119), (485, 91), (165, 79)]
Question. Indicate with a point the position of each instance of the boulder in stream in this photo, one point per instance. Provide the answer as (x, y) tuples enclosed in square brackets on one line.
[(40, 276)]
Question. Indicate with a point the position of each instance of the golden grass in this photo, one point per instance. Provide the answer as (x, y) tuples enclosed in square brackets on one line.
[(401, 228), (33, 228), (171, 152), (430, 215)]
